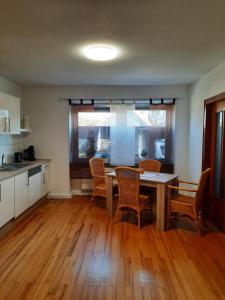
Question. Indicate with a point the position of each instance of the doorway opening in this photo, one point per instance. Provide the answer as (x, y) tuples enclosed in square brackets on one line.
[(214, 158)]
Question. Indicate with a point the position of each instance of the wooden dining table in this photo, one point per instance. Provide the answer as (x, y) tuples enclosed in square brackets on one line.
[(159, 181)]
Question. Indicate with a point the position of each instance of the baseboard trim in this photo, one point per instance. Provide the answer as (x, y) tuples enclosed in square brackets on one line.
[(59, 196), (78, 192)]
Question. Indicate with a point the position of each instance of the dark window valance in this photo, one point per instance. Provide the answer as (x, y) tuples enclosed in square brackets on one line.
[(137, 102)]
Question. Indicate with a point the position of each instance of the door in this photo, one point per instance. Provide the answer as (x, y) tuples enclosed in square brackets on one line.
[(6, 200), (21, 193), (214, 157), (34, 188)]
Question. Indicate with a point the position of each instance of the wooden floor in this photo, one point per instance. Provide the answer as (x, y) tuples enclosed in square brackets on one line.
[(68, 249)]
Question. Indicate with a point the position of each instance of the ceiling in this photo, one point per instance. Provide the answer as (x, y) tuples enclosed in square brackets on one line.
[(159, 42)]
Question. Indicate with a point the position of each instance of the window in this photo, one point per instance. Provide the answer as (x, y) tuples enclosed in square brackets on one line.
[(122, 135), (94, 134)]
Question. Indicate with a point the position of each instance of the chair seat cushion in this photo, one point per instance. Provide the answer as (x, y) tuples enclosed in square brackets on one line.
[(144, 197), (101, 186), (183, 198), (183, 204)]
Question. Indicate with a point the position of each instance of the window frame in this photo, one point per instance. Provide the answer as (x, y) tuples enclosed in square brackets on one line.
[(79, 166)]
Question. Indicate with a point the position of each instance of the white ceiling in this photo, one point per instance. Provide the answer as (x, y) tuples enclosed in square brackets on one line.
[(160, 41)]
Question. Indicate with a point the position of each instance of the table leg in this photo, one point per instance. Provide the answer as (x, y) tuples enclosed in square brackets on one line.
[(109, 200), (161, 207)]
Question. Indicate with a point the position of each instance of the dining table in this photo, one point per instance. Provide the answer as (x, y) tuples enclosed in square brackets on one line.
[(159, 181)]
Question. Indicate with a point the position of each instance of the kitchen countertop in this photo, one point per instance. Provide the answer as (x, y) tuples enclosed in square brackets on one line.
[(30, 164)]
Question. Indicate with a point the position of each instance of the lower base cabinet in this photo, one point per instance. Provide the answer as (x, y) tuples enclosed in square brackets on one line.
[(21, 193), (34, 188), (45, 179), (6, 200)]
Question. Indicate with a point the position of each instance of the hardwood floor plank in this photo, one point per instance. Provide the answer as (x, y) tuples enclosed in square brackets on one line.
[(70, 249)]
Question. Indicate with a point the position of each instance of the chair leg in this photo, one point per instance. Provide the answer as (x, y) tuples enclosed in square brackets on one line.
[(172, 219), (168, 217), (197, 227), (92, 198), (200, 222), (139, 220), (116, 215)]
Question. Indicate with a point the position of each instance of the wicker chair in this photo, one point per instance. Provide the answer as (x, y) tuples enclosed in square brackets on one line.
[(187, 205), (129, 195), (150, 165), (99, 177)]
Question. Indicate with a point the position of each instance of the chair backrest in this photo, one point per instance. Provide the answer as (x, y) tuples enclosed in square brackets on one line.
[(199, 196), (150, 165), (128, 183), (97, 169)]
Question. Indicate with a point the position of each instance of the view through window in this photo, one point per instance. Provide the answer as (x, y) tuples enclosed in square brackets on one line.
[(147, 131)]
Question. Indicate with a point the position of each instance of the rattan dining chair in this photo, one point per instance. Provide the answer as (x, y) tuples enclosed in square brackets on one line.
[(99, 177), (129, 195), (187, 205), (150, 165)]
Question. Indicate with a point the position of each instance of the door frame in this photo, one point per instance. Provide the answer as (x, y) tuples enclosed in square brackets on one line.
[(213, 210)]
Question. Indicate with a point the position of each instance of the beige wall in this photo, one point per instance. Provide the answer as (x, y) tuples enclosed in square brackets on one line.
[(48, 114), (207, 86), (10, 143)]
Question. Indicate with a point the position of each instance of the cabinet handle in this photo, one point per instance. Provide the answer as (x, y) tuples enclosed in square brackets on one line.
[(43, 178), (27, 180), (9, 128)]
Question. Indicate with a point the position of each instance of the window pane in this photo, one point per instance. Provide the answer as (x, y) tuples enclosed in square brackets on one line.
[(147, 118), (150, 133), (123, 136), (93, 134), (96, 119), (96, 135)]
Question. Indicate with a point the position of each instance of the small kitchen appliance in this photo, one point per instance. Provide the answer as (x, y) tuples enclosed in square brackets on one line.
[(18, 157), (29, 153)]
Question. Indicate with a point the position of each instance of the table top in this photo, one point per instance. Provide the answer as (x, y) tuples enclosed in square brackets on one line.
[(152, 177)]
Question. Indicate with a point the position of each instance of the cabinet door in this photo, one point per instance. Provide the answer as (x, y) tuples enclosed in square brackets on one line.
[(6, 200), (13, 123), (21, 193), (9, 114), (45, 179), (4, 115), (34, 188)]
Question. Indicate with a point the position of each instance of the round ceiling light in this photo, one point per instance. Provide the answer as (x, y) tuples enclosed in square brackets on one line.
[(100, 52)]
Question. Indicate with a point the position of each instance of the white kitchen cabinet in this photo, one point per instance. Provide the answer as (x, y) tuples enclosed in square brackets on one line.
[(21, 193), (9, 114), (6, 200), (45, 170), (34, 188)]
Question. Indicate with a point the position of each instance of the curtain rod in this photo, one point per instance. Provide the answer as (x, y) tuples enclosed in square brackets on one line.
[(123, 101)]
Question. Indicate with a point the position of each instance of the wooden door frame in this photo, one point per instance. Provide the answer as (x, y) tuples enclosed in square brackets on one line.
[(207, 159)]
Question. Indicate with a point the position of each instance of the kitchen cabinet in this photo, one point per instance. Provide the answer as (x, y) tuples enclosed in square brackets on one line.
[(34, 188), (45, 179), (21, 193), (6, 200), (9, 114)]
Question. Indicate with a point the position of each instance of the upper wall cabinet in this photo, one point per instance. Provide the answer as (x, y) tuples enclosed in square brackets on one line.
[(9, 114)]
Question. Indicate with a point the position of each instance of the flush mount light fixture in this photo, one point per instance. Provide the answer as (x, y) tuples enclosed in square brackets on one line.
[(100, 52)]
